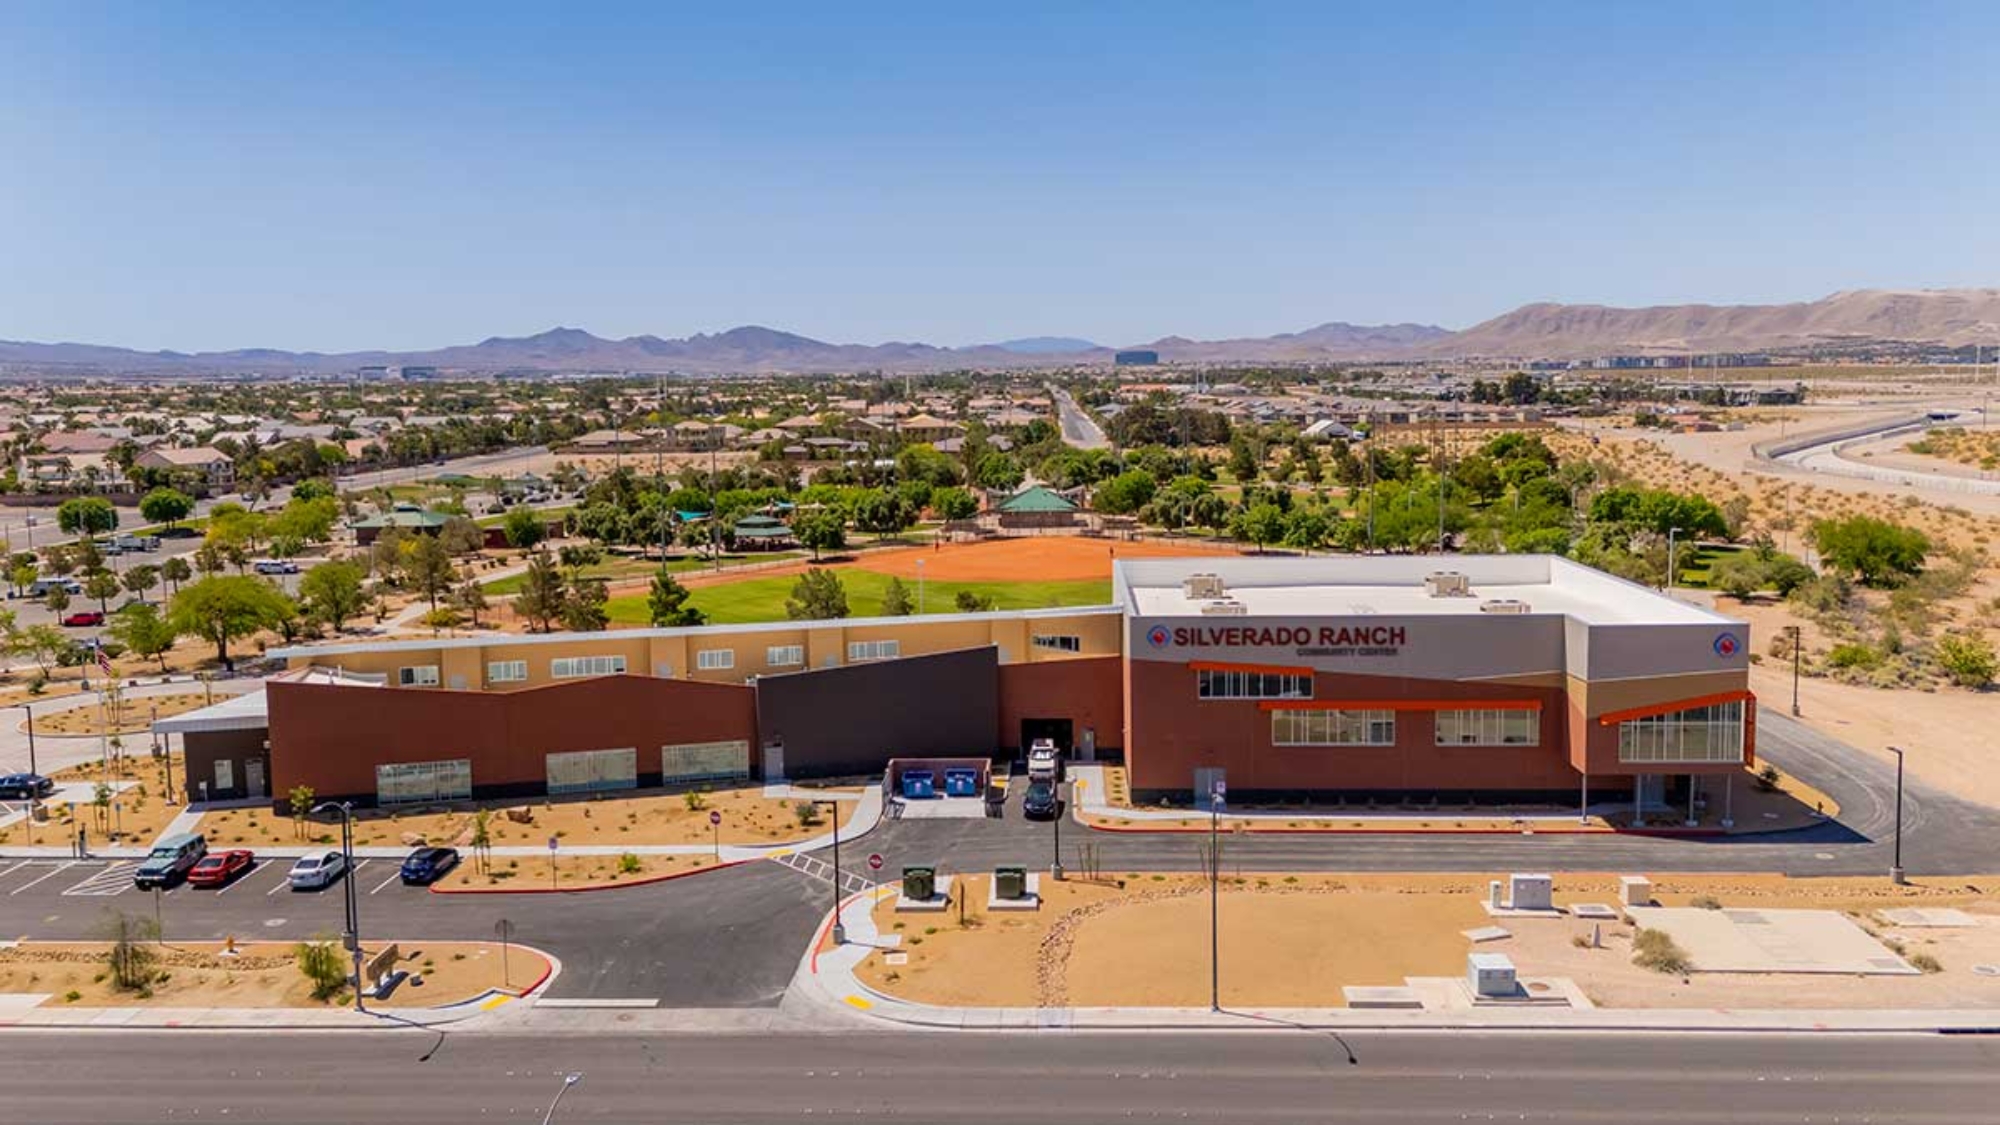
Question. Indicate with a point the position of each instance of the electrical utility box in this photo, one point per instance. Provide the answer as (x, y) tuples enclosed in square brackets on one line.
[(1490, 974), (1532, 892)]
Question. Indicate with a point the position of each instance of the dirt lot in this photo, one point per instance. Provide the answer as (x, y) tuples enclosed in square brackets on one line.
[(265, 975), (137, 715), (1791, 805), (643, 817), (1295, 940)]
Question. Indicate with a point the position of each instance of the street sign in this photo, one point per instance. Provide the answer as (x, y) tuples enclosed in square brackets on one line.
[(1218, 796), (552, 845), (875, 862), (715, 816)]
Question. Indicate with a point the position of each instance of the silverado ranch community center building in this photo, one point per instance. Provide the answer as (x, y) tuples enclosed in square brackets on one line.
[(1489, 678)]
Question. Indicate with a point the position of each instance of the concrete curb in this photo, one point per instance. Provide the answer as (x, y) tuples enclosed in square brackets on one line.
[(437, 890)]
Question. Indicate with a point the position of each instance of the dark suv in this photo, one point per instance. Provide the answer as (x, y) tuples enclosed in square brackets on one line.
[(22, 786), (1041, 802), (170, 860)]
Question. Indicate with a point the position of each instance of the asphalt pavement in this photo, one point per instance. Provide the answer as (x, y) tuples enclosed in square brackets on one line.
[(731, 938), (1078, 427), (441, 1079)]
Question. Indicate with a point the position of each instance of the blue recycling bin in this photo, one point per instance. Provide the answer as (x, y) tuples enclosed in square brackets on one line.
[(961, 782), (919, 784)]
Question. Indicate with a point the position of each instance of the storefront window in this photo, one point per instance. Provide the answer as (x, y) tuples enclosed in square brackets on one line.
[(400, 783), (1489, 727), (1333, 728), (1217, 684), (1696, 735)]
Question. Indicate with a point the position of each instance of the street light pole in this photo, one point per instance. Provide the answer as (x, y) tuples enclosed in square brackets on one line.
[(569, 1080), (1797, 643), (1056, 867), (1214, 900), (352, 938), (839, 927), (1896, 863), (1671, 533)]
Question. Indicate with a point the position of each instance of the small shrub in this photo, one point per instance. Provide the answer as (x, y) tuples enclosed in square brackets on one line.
[(1579, 941), (1705, 902), (628, 864), (72, 996), (806, 812), (319, 960), (1767, 779), (1655, 950), (1924, 962), (694, 800), (1853, 655)]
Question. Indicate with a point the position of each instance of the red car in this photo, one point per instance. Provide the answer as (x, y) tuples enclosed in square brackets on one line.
[(84, 617), (216, 869)]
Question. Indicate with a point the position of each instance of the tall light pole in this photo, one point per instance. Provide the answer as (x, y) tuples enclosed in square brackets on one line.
[(1798, 642), (569, 1080), (1672, 532), (839, 927), (1216, 795), (1896, 863), (1055, 866), (352, 938)]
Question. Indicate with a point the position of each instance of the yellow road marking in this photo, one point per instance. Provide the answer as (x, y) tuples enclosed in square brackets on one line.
[(859, 1002)]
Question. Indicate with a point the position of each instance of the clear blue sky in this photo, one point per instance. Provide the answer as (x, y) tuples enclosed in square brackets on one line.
[(341, 176)]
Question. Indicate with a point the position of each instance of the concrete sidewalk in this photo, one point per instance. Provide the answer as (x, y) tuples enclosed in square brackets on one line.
[(826, 985), (867, 815)]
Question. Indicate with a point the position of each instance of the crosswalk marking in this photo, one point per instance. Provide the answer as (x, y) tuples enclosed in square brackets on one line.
[(115, 879), (850, 882)]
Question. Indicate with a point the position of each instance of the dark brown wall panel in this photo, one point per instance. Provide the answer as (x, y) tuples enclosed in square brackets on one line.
[(854, 719), (1089, 692)]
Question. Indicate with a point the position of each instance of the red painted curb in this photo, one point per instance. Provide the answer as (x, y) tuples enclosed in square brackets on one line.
[(437, 890), (548, 968)]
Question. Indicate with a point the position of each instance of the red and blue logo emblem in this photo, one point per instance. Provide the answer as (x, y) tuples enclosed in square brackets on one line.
[(1159, 636), (1726, 645)]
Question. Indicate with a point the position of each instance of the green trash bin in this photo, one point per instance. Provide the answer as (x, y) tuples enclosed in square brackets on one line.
[(1010, 882), (919, 882)]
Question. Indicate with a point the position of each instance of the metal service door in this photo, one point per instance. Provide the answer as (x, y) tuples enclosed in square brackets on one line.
[(253, 778)]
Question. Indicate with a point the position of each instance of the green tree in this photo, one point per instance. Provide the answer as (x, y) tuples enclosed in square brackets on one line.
[(300, 798), (101, 585), (896, 600), (883, 512), (542, 592), (1242, 460), (523, 528), (820, 529), (21, 576), (1876, 551), (332, 592), (1739, 575), (306, 521), (461, 536), (1124, 494), (667, 602), (817, 595), (969, 601), (144, 631), (584, 606), (129, 940), (226, 608), (471, 598), (44, 644), (88, 516), (320, 961), (176, 571), (1968, 659), (57, 599), (954, 504), (141, 579), (1262, 524), (427, 568), (166, 505)]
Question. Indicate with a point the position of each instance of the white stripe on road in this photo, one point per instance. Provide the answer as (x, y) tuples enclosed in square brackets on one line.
[(16, 867), (54, 871), (284, 881), (387, 881), (248, 873)]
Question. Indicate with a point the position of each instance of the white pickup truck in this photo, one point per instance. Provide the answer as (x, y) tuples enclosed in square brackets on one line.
[(1044, 760)]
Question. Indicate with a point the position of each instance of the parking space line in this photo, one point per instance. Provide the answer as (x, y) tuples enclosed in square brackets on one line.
[(283, 882), (16, 867), (52, 873), (386, 882)]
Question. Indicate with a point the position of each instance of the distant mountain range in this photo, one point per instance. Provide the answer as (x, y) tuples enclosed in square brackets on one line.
[(1948, 317)]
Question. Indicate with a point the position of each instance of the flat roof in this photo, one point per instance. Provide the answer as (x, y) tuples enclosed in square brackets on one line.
[(1394, 585)]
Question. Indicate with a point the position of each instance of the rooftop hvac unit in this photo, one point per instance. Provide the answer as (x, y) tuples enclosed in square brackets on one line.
[(1198, 586), (1225, 607), (1503, 605), (1448, 584)]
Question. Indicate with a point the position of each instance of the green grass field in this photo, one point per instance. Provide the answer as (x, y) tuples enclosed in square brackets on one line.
[(615, 569), (1695, 563), (763, 599)]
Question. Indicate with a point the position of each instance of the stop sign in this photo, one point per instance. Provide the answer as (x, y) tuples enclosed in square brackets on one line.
[(875, 862)]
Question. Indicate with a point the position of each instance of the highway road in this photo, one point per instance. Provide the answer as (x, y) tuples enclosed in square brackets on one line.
[(1078, 428), (1280, 1076)]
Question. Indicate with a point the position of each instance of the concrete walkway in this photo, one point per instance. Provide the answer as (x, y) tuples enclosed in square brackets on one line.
[(867, 814), (1090, 790)]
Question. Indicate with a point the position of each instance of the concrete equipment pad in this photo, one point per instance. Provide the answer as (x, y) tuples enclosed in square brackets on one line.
[(1370, 996), (1594, 911), (944, 808), (1486, 933), (1772, 941), (1030, 901), (1927, 917), (939, 900)]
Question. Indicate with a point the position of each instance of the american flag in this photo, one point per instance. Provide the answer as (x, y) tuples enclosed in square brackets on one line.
[(103, 660)]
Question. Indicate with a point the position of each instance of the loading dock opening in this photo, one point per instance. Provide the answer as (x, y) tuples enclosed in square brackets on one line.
[(1062, 732)]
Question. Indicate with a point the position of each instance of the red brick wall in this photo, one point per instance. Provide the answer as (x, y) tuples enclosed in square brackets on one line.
[(1088, 691), (332, 738), (1172, 732)]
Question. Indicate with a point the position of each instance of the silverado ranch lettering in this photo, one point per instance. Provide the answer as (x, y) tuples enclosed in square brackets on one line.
[(1289, 636)]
